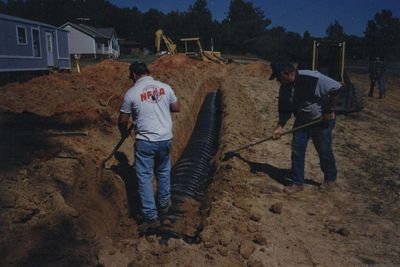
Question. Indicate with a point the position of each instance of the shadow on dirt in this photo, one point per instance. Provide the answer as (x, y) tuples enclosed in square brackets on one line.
[(56, 244), (26, 136), (168, 229), (282, 176), (128, 175)]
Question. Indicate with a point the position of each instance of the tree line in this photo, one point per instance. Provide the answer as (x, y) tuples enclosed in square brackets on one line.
[(245, 30)]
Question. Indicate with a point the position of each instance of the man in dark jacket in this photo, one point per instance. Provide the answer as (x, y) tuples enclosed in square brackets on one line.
[(309, 95)]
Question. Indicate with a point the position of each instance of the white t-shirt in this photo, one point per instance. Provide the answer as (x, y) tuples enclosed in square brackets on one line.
[(149, 103)]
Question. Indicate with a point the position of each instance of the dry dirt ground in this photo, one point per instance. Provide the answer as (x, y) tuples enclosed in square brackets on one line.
[(55, 211)]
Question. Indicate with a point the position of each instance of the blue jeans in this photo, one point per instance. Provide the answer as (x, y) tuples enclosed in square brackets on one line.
[(321, 135), (149, 155), (381, 85)]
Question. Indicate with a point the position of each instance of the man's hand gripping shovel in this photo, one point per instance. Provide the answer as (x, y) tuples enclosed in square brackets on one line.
[(102, 163), (230, 154)]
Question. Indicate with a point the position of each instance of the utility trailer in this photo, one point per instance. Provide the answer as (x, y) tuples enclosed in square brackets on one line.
[(208, 56), (329, 58)]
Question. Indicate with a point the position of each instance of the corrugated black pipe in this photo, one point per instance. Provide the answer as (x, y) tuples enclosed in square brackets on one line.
[(192, 173)]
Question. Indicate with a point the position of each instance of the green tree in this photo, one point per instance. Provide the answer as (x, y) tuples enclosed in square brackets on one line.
[(199, 22), (243, 25), (306, 36), (128, 24), (2, 7), (57, 12), (270, 46), (305, 55), (174, 24), (152, 21), (335, 31), (16, 8), (355, 48), (383, 35)]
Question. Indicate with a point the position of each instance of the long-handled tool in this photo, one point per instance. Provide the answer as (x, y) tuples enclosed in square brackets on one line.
[(102, 164), (231, 154), (45, 134)]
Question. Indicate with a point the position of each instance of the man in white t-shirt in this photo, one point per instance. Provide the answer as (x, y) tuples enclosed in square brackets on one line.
[(150, 103)]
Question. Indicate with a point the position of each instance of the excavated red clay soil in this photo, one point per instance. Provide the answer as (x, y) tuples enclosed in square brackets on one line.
[(55, 212)]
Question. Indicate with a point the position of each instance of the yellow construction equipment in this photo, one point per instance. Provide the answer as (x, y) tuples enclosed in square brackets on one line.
[(328, 57), (208, 56), (171, 47)]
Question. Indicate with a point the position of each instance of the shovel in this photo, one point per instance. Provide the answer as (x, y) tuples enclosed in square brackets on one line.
[(231, 154), (102, 164)]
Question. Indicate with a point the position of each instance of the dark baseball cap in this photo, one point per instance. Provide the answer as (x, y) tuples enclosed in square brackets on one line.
[(138, 67), (278, 67)]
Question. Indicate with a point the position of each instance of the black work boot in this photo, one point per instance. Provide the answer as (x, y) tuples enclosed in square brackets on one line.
[(148, 225), (371, 91), (293, 189), (164, 210), (328, 186)]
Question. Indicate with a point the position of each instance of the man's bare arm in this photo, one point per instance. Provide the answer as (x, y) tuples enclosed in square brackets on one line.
[(123, 121), (175, 107)]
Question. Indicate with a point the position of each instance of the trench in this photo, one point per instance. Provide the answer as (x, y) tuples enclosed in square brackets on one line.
[(193, 172)]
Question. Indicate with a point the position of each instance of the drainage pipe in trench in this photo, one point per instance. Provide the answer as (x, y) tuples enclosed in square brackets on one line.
[(192, 173)]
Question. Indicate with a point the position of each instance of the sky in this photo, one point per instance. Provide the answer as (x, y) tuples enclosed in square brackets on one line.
[(294, 15)]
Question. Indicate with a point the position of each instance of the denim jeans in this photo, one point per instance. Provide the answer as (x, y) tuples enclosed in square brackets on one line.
[(153, 158), (321, 135), (381, 85)]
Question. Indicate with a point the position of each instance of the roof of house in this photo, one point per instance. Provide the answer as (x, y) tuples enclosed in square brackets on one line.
[(27, 21), (92, 31)]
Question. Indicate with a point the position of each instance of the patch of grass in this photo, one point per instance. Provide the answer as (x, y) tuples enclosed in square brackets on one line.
[(137, 57), (83, 62)]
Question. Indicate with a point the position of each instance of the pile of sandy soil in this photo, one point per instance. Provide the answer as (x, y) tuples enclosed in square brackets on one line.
[(55, 212)]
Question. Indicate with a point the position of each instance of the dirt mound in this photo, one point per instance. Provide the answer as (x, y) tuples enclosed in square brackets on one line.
[(258, 69), (83, 94), (174, 61), (54, 211), (50, 183)]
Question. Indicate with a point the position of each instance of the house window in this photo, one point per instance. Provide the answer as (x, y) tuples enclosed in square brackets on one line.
[(21, 35), (36, 43), (49, 41)]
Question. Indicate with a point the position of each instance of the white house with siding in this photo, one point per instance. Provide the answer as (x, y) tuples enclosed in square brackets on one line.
[(87, 40)]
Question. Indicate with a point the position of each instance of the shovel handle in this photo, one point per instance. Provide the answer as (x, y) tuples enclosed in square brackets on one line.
[(117, 146), (100, 167), (284, 133)]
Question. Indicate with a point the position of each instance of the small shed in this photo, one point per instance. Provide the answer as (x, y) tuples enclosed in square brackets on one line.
[(128, 47), (27, 45)]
